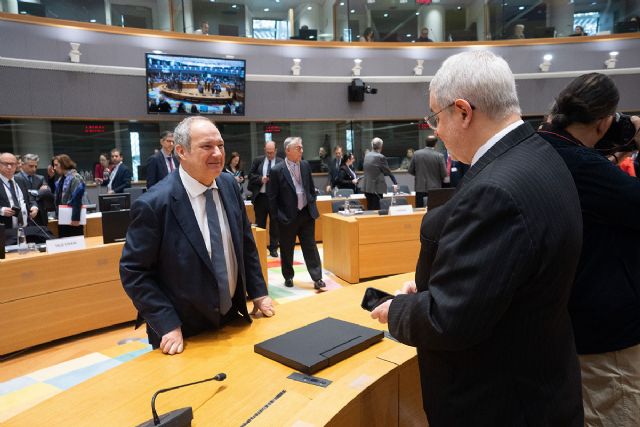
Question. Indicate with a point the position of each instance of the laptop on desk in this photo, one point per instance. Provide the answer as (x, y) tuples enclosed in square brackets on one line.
[(319, 344)]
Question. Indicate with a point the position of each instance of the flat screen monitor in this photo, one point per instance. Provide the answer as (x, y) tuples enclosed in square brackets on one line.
[(626, 27), (115, 225), (179, 84), (306, 34), (114, 202)]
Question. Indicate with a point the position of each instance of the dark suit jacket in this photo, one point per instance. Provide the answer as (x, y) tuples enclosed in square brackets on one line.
[(157, 168), (490, 320), (122, 179), (332, 175), (165, 268), (344, 179), (36, 182), (255, 176), (375, 169), (429, 168), (4, 201), (283, 201)]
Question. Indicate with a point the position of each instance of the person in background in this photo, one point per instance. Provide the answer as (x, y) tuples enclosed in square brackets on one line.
[(456, 170), (429, 170), (334, 168), (347, 177), (233, 168), (16, 204), (102, 169), (120, 176), (488, 308), (424, 36), (368, 35), (163, 162), (204, 28), (70, 189), (404, 165), (604, 303), (518, 32), (292, 199), (375, 169), (578, 31), (190, 261), (36, 186)]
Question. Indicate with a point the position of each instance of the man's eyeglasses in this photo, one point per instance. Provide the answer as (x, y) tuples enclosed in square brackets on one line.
[(432, 120)]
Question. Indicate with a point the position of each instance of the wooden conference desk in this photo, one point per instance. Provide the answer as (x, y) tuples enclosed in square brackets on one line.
[(325, 206), (377, 387), (92, 229), (45, 297), (361, 246)]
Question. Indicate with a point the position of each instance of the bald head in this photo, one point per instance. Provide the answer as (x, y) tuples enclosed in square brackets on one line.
[(270, 150), (8, 165)]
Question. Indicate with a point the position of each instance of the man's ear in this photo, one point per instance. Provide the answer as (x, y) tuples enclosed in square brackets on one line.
[(464, 108), (179, 151)]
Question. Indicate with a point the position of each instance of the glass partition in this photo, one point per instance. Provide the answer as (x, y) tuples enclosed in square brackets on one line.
[(419, 21)]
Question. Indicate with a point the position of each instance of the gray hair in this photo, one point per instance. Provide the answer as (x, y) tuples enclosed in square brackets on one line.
[(291, 140), (30, 157), (481, 78), (376, 144), (182, 132)]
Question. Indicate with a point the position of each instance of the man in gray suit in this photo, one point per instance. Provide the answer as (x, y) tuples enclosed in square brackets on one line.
[(488, 309), (375, 169), (428, 166)]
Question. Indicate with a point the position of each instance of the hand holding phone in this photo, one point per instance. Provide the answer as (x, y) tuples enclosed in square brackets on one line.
[(374, 297)]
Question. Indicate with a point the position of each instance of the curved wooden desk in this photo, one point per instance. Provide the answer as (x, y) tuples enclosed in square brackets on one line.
[(379, 386)]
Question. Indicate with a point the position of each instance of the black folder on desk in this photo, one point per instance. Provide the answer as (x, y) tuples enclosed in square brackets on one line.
[(319, 344)]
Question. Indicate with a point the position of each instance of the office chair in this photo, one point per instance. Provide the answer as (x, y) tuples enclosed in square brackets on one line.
[(344, 192)]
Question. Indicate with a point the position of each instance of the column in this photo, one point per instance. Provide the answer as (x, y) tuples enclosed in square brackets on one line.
[(9, 6), (560, 16), (164, 15), (432, 17)]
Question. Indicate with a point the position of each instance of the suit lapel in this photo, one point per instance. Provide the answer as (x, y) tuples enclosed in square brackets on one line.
[(507, 142), (287, 176), (183, 212)]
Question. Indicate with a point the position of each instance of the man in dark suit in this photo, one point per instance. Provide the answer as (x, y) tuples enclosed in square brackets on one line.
[(120, 177), (334, 168), (36, 186), (292, 199), (428, 166), (163, 162), (14, 194), (259, 175), (488, 309), (190, 260), (375, 168)]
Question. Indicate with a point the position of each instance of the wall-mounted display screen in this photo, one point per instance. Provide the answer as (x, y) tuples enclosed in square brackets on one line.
[(178, 84)]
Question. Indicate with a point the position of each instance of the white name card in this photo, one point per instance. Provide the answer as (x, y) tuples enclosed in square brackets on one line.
[(65, 244), (323, 197), (400, 210)]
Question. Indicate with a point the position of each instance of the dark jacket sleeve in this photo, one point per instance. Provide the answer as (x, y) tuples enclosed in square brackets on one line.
[(255, 176), (344, 179), (384, 167), (77, 190), (138, 270), (468, 291), (126, 181), (152, 171)]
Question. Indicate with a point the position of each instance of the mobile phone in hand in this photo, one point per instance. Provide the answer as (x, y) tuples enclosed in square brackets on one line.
[(374, 297)]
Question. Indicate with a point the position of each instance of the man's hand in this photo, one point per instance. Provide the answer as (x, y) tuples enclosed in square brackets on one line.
[(110, 192), (381, 312), (33, 212), (75, 223), (8, 212), (265, 179), (395, 188), (172, 342), (408, 288), (328, 189), (265, 305)]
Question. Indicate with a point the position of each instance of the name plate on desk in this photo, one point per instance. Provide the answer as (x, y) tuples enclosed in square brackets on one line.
[(400, 210), (323, 197), (65, 244)]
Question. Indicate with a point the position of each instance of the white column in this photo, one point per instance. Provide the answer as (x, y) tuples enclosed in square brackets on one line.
[(164, 15), (310, 18), (33, 136), (560, 16), (107, 12), (188, 16), (10, 6), (432, 17)]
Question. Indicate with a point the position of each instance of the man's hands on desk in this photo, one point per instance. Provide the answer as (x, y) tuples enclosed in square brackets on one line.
[(173, 343), (381, 312)]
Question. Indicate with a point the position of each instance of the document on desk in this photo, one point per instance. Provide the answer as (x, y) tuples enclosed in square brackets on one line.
[(64, 215)]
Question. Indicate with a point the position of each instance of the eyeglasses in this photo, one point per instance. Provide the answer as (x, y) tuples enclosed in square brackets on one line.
[(432, 120)]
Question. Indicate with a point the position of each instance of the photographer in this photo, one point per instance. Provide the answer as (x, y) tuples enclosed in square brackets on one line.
[(605, 299)]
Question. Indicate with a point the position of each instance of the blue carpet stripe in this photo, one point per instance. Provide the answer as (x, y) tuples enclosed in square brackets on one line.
[(132, 354), (72, 378), (15, 384)]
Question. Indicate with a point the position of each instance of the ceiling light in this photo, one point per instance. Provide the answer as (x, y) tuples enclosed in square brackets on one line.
[(408, 35), (234, 6), (266, 9), (386, 15), (417, 13), (157, 51), (341, 3), (520, 7), (309, 7), (92, 21), (459, 7), (353, 11)]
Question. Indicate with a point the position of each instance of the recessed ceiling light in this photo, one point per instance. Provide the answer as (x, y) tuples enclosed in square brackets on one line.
[(266, 9), (520, 7), (386, 15), (309, 7), (22, 12), (353, 11), (277, 1), (417, 13), (408, 35), (234, 6), (92, 21), (459, 7), (341, 3)]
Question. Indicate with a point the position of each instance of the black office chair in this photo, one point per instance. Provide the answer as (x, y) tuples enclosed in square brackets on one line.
[(339, 205), (344, 192), (385, 203), (135, 192)]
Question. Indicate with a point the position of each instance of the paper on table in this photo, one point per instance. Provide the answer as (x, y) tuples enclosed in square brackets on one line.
[(64, 215)]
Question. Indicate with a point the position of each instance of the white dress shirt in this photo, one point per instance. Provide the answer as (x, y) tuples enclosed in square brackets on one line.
[(113, 175), (195, 191), (493, 140), (20, 202), (265, 164)]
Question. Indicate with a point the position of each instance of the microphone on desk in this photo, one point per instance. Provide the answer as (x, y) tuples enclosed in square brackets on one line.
[(180, 417)]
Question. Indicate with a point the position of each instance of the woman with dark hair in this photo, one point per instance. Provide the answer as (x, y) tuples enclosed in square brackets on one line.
[(368, 35), (233, 167), (605, 299), (102, 169), (70, 189), (346, 176)]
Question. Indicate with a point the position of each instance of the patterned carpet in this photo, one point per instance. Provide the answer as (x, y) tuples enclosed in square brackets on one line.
[(22, 393)]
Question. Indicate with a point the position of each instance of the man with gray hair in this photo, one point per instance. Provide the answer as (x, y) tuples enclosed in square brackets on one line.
[(190, 261), (36, 186), (375, 168), (292, 200), (488, 308)]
